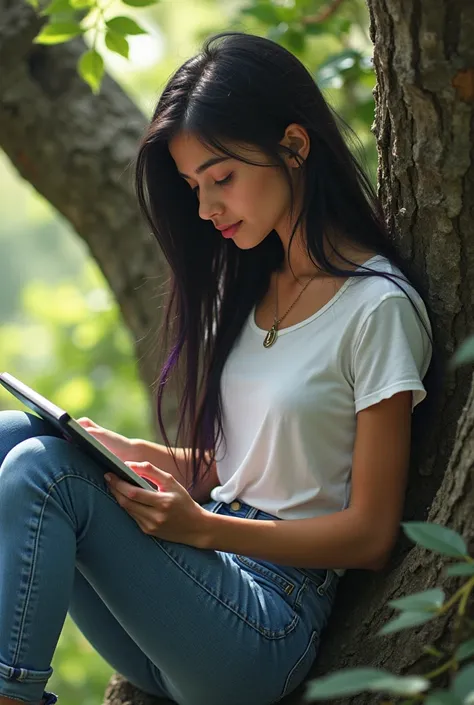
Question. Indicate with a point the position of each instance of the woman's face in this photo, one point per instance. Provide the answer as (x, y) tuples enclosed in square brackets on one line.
[(253, 199)]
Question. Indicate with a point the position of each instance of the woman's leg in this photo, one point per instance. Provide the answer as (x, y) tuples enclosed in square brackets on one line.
[(109, 638), (211, 631)]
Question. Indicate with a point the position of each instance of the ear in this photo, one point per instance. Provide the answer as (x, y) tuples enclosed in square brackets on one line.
[(295, 139)]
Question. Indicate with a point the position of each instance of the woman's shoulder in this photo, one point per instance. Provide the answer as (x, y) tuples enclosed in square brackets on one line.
[(389, 280)]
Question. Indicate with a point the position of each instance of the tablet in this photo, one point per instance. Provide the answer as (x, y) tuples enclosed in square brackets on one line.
[(72, 431)]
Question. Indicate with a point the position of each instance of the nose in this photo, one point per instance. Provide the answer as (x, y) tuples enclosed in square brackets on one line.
[(209, 207)]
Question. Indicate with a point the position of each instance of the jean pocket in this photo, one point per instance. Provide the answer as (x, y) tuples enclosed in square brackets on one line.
[(302, 666), (269, 572), (320, 578)]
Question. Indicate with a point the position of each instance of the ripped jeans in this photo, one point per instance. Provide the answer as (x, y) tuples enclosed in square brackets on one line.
[(200, 627)]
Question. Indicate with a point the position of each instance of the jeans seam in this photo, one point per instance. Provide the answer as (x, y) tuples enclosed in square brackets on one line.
[(312, 640), (35, 551), (270, 634)]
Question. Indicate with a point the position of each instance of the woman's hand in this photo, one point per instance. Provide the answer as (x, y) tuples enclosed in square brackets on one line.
[(121, 446), (169, 513)]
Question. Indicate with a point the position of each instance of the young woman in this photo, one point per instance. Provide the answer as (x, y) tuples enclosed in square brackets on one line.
[(305, 347)]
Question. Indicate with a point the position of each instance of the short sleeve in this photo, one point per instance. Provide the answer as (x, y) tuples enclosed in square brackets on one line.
[(391, 353)]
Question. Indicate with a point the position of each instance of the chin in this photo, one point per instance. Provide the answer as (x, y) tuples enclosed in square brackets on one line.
[(244, 243)]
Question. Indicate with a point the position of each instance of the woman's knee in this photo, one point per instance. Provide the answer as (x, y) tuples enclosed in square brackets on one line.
[(15, 427), (34, 459)]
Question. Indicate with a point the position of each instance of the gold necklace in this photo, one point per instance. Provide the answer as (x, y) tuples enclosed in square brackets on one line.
[(272, 334)]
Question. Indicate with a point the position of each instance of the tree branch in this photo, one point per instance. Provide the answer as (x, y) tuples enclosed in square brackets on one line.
[(324, 14)]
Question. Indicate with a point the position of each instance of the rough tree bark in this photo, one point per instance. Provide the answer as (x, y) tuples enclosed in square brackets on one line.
[(424, 60)]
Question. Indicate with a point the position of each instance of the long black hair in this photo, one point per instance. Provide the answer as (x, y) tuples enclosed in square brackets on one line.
[(245, 89)]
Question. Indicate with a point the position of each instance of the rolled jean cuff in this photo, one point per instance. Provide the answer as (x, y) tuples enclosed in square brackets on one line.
[(25, 684)]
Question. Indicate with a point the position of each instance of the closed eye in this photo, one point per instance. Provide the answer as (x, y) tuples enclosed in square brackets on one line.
[(227, 180), (222, 182)]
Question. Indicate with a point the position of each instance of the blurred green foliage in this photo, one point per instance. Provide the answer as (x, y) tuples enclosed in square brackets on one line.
[(61, 330), (70, 344)]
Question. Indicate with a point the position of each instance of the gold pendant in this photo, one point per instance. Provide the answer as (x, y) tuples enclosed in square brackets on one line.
[(270, 337)]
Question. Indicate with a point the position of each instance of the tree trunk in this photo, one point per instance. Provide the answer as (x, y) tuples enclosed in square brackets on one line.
[(52, 127), (424, 59)]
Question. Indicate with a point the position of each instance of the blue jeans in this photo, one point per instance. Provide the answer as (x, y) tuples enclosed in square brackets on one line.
[(200, 627)]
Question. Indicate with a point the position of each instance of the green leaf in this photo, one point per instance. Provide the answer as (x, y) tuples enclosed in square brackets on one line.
[(56, 7), (116, 42), (139, 3), (341, 60), (82, 4), (91, 69), (460, 569), (315, 29), (124, 25), (463, 685), (33, 3), (406, 620), (295, 39), (464, 650), (464, 354), (442, 697), (436, 538), (266, 12), (357, 680), (428, 601), (58, 32), (401, 685)]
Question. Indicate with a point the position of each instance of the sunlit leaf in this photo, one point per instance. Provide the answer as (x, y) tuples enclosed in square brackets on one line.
[(406, 620), (117, 43), (358, 680), (91, 69), (82, 4), (427, 600), (56, 7), (125, 25), (140, 3), (436, 538), (58, 32)]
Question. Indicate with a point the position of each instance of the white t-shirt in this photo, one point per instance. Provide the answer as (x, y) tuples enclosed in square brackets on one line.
[(289, 411)]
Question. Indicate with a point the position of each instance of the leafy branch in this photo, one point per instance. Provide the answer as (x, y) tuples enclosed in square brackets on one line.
[(67, 19), (417, 609)]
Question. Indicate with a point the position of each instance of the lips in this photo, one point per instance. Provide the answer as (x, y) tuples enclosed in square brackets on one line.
[(229, 230)]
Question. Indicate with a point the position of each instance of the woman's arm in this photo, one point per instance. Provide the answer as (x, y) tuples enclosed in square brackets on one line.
[(361, 536), (160, 456)]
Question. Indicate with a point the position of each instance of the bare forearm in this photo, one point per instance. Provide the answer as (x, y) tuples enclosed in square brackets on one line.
[(160, 456), (338, 540)]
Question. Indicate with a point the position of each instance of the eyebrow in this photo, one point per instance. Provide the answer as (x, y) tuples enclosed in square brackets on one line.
[(206, 165)]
